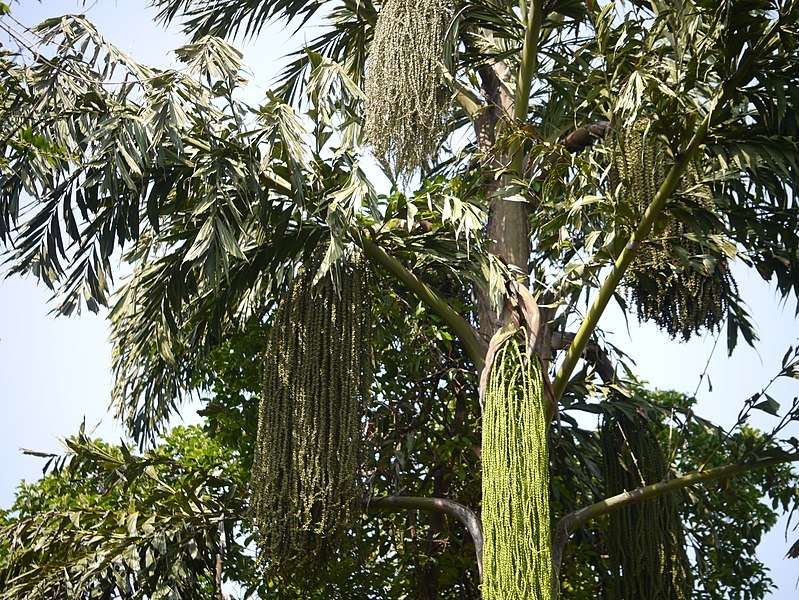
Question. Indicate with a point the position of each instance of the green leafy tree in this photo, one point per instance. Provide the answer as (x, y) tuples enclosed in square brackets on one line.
[(628, 152), (125, 524)]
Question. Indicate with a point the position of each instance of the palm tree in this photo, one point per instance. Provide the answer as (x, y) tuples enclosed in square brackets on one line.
[(628, 152)]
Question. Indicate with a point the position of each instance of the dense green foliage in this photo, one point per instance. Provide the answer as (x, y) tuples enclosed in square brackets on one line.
[(114, 487), (106, 523)]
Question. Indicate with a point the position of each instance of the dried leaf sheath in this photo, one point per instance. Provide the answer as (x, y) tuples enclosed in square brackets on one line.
[(316, 370)]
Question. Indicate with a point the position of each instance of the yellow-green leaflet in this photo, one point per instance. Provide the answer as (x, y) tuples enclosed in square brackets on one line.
[(645, 542), (316, 372), (517, 555)]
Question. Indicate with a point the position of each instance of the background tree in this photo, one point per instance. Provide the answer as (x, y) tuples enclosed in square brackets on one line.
[(122, 524), (626, 152)]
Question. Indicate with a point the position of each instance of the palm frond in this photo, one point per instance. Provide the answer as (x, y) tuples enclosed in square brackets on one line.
[(228, 18)]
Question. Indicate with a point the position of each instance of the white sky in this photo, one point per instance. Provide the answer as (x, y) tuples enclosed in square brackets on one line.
[(56, 372)]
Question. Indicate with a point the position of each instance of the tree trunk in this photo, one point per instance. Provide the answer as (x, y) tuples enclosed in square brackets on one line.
[(508, 220)]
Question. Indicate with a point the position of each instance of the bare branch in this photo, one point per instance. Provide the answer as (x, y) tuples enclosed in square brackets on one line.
[(444, 505)]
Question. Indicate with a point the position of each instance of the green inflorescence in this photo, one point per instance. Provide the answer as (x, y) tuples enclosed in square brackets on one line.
[(645, 542), (406, 91), (517, 555), (682, 296), (315, 377)]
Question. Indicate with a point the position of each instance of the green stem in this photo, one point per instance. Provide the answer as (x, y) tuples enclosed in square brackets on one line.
[(529, 58), (572, 521), (524, 80), (460, 326), (591, 320)]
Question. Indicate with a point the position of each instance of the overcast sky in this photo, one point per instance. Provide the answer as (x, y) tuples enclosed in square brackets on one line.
[(55, 372)]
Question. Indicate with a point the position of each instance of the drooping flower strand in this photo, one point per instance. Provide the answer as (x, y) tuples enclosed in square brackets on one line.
[(406, 91), (316, 373), (681, 298), (645, 542), (517, 555)]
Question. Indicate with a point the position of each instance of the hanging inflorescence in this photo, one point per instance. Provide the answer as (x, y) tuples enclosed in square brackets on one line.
[(646, 541), (406, 91), (674, 281), (517, 555), (315, 378)]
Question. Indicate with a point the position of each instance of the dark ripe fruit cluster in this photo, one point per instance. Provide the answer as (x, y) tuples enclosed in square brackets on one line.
[(645, 542), (673, 281), (315, 377)]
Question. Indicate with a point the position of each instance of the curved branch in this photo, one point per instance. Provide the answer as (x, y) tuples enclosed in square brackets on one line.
[(460, 326), (450, 507), (572, 521)]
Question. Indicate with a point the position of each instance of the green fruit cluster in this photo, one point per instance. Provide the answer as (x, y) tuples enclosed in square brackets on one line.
[(677, 282), (645, 542), (316, 374), (517, 555), (406, 91)]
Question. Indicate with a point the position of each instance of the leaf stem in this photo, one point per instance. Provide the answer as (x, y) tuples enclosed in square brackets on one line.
[(623, 261), (460, 326), (524, 80), (572, 521)]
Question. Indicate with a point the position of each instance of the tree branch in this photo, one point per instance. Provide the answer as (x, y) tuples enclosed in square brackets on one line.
[(576, 519), (443, 505), (642, 231), (460, 326), (610, 284)]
